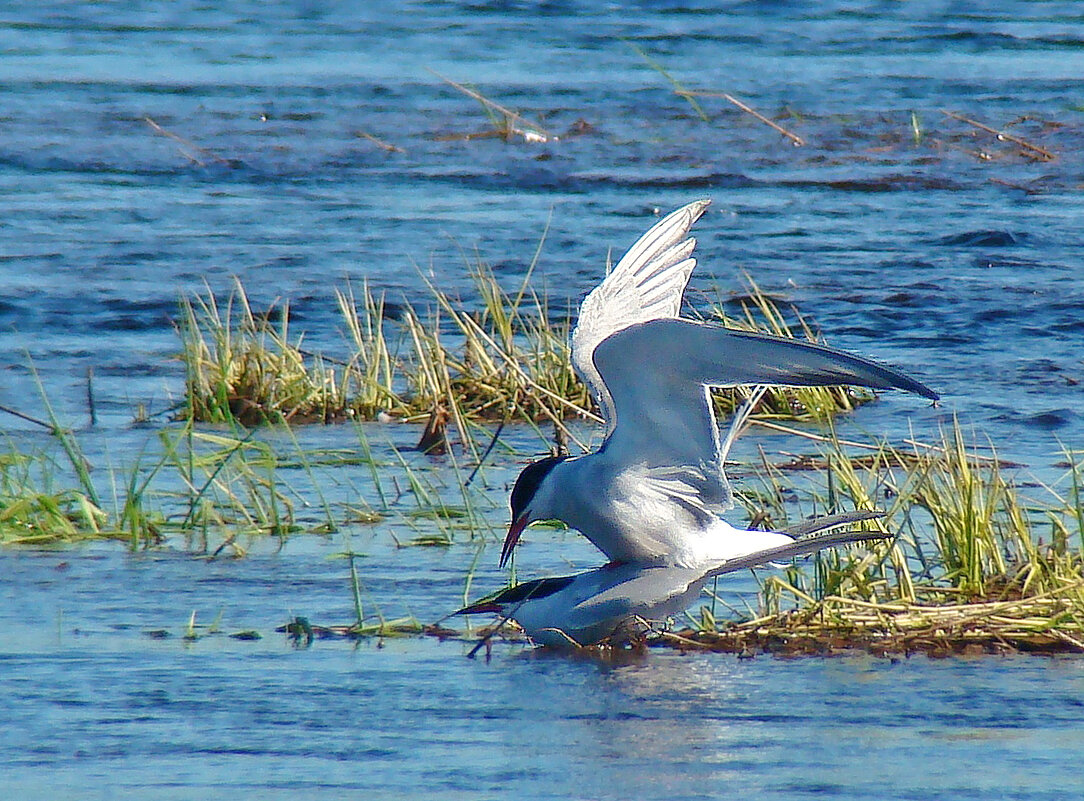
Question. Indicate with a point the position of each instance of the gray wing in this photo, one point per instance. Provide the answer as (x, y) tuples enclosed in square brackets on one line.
[(647, 284), (651, 592), (655, 592), (657, 374)]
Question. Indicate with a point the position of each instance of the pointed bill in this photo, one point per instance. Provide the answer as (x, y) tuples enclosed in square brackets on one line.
[(514, 533)]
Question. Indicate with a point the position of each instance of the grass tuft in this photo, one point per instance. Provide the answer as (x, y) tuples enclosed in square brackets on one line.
[(503, 356), (243, 367), (977, 566)]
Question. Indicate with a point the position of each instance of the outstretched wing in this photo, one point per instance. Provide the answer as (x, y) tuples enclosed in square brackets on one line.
[(647, 284), (657, 374)]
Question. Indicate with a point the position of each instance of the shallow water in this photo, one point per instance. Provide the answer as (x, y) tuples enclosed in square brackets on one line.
[(95, 708), (948, 254)]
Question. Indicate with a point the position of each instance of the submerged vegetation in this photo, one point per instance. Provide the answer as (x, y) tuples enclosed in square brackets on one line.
[(980, 563), (214, 491), (977, 566)]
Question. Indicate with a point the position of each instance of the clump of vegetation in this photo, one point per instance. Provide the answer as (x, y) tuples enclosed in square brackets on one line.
[(246, 368), (201, 486), (761, 313), (976, 568), (33, 515), (504, 357), (212, 491)]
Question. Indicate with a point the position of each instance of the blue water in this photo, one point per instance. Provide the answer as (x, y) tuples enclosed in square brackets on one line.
[(95, 708), (947, 253)]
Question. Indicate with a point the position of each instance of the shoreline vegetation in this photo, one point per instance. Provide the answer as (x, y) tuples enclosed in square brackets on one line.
[(978, 566), (507, 360)]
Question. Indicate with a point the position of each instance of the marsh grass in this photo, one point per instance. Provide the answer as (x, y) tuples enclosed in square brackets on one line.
[(33, 509), (506, 123), (214, 491), (245, 368), (34, 512), (977, 567), (759, 312), (980, 564), (501, 356)]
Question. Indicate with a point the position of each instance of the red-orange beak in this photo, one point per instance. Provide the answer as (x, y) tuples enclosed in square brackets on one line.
[(514, 532)]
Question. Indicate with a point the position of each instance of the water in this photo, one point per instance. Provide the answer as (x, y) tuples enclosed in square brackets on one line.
[(962, 270), (108, 712)]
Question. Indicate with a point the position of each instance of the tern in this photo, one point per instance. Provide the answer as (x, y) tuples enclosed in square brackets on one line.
[(619, 603), (653, 493)]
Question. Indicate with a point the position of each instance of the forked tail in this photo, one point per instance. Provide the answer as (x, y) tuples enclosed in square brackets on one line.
[(806, 544)]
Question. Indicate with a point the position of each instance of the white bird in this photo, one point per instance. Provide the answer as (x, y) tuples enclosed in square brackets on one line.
[(653, 493), (620, 602)]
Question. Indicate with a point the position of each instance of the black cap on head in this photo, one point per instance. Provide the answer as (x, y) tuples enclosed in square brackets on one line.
[(528, 481)]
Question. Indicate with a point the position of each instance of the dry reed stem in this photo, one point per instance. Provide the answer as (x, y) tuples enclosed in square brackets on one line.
[(797, 140), (978, 457), (1031, 622), (187, 148), (379, 142), (679, 89), (1046, 155), (533, 128), (810, 435), (27, 417)]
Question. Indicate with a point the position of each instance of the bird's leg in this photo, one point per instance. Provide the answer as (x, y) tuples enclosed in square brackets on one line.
[(570, 640), (646, 627), (489, 635)]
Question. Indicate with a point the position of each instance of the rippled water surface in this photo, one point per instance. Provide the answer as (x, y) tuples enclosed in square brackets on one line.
[(907, 235)]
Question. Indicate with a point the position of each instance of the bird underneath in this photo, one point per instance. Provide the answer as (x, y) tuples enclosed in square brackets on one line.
[(621, 603)]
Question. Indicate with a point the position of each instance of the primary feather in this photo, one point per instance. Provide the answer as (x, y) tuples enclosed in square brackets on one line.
[(647, 284)]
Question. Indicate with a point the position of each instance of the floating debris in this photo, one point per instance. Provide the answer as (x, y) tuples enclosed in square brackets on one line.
[(1052, 623), (248, 635)]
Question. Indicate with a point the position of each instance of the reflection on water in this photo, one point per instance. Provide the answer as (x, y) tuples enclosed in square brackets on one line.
[(700, 726)]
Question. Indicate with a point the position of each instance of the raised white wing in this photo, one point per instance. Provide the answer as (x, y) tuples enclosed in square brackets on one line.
[(647, 284), (657, 374)]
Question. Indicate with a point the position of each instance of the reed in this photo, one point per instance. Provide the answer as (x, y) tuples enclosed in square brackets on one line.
[(506, 123), (210, 488), (510, 355), (372, 373), (759, 312), (42, 502), (35, 507), (977, 567), (504, 355), (242, 367)]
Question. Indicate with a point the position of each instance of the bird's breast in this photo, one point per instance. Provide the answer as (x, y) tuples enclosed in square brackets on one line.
[(614, 507)]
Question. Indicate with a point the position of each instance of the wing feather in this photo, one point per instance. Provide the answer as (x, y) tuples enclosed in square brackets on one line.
[(657, 374), (647, 284)]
